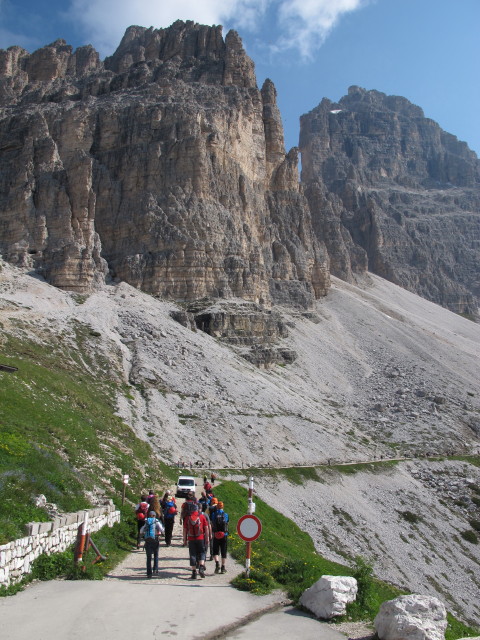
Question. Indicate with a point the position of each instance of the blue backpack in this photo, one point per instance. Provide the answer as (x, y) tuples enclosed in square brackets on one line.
[(150, 529), (169, 510)]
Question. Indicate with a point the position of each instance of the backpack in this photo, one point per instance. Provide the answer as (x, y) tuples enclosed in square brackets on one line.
[(219, 525), (142, 511), (149, 530), (189, 507), (194, 527), (169, 510)]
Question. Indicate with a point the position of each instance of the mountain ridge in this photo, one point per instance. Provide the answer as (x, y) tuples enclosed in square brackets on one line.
[(168, 142)]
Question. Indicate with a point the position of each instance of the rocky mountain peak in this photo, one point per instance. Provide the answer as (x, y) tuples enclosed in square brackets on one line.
[(391, 192), (195, 52), (163, 166)]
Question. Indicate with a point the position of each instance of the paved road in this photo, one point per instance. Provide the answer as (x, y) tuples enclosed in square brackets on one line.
[(128, 606)]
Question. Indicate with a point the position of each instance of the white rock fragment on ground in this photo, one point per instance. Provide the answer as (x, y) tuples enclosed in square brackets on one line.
[(329, 596), (412, 617)]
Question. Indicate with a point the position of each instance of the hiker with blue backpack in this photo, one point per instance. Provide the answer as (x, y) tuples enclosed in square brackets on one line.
[(219, 520), (151, 531)]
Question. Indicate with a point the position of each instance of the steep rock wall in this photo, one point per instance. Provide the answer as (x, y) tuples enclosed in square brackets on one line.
[(163, 166), (391, 192)]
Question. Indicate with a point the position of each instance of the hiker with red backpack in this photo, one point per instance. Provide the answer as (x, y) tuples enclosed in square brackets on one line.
[(141, 510), (151, 531), (207, 487), (189, 506), (196, 532), (220, 535)]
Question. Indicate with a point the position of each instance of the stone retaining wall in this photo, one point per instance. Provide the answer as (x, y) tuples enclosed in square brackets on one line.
[(17, 556)]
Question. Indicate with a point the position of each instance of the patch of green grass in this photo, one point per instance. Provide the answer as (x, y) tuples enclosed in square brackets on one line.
[(366, 467), (456, 629), (299, 475)]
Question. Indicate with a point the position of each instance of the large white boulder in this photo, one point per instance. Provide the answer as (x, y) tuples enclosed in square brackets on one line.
[(329, 596), (412, 617)]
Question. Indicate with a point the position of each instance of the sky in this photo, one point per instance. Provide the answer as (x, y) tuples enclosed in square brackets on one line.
[(425, 50)]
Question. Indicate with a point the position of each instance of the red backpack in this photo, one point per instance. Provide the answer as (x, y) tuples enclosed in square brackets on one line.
[(142, 511), (194, 526)]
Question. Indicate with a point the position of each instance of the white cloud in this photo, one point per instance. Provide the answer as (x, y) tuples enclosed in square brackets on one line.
[(291, 24), (305, 24)]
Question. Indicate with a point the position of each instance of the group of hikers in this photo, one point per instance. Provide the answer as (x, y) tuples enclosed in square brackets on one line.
[(204, 523)]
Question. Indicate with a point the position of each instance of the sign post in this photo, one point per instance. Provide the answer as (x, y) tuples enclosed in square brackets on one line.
[(249, 527), (125, 482)]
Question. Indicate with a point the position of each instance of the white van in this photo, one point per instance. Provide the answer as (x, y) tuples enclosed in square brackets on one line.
[(185, 484)]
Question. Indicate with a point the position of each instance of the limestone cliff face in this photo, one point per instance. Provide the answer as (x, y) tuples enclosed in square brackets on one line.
[(391, 192), (163, 166)]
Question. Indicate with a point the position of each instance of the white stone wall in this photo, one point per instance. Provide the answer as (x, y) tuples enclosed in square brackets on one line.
[(49, 537)]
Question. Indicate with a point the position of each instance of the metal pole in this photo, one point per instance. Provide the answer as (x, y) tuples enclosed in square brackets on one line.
[(247, 559), (249, 511), (82, 538), (250, 496)]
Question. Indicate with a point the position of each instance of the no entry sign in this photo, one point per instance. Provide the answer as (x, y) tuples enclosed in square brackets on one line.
[(249, 528)]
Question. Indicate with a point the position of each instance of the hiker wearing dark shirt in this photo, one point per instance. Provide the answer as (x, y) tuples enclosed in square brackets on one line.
[(169, 512), (220, 536)]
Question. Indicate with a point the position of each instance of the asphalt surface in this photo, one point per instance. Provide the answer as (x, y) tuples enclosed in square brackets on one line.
[(128, 606)]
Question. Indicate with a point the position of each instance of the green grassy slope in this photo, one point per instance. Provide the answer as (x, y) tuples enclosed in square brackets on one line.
[(59, 434)]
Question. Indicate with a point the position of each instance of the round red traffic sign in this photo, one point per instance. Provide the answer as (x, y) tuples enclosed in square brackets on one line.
[(249, 528)]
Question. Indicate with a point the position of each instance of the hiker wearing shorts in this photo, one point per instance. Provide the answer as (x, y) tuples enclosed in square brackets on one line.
[(220, 536), (196, 533)]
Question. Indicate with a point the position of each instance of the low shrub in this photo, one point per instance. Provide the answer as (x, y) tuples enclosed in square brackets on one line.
[(258, 582), (364, 605), (469, 536), (475, 524), (410, 517)]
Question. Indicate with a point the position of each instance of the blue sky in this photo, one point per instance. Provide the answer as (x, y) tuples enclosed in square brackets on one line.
[(425, 50)]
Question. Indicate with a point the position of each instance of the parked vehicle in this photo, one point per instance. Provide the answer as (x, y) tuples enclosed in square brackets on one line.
[(185, 484)]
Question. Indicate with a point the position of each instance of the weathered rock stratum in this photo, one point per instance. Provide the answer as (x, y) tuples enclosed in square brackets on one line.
[(163, 166), (393, 193)]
